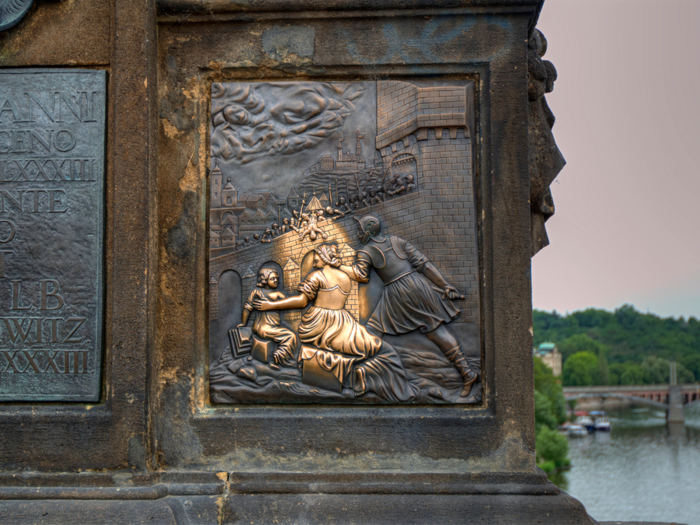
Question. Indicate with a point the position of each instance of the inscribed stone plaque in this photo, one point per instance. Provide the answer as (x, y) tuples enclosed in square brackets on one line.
[(52, 141), (343, 247)]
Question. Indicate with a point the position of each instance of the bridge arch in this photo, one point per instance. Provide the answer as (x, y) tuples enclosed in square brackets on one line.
[(692, 404), (633, 399)]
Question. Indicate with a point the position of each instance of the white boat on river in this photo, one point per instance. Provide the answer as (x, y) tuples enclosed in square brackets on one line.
[(575, 430), (585, 421), (602, 424)]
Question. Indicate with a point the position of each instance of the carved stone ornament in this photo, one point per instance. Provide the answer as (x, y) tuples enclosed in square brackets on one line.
[(546, 161), (12, 11), (343, 253)]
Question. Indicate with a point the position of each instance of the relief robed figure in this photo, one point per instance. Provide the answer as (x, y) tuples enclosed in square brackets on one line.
[(359, 360)]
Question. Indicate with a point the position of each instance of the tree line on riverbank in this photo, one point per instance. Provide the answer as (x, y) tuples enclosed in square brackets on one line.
[(624, 347), (550, 412)]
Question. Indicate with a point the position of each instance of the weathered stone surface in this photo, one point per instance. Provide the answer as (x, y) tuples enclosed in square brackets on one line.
[(51, 234), (12, 11), (545, 159), (59, 33), (55, 437), (155, 437)]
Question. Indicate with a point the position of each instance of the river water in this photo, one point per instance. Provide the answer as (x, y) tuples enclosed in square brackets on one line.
[(640, 471)]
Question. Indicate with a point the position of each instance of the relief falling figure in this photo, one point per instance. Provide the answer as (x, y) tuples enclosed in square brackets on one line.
[(312, 216), (410, 300), (311, 229)]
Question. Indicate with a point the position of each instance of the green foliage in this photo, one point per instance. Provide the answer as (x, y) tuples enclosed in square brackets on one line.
[(626, 374), (551, 447), (581, 369), (550, 412), (544, 412), (624, 341), (655, 370), (603, 368), (692, 363), (550, 405), (548, 466), (580, 343)]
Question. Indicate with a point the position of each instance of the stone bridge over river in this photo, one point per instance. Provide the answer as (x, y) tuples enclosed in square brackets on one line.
[(672, 398)]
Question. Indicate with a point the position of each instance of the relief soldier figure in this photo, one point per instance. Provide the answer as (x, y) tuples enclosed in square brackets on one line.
[(267, 236), (343, 206), (285, 226), (268, 325), (416, 295)]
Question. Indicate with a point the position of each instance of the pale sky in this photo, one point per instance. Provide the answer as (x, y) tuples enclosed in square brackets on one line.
[(627, 104)]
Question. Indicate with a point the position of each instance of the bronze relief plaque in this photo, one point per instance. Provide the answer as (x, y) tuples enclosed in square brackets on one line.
[(343, 256), (52, 140)]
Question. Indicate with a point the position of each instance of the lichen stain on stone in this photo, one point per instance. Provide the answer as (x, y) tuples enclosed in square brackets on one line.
[(291, 59), (193, 90), (292, 66), (219, 65), (281, 42), (166, 291), (189, 38), (510, 456), (178, 442), (202, 386), (170, 131), (180, 239), (221, 507), (191, 179)]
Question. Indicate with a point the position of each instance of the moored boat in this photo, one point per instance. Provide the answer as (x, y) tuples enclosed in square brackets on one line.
[(577, 430), (602, 424), (586, 422)]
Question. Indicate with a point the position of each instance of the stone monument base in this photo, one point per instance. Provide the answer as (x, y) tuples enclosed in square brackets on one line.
[(288, 498)]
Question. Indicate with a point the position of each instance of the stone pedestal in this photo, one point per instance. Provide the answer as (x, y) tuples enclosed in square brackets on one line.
[(156, 446)]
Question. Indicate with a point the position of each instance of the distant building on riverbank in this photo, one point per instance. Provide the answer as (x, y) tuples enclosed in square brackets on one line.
[(550, 356)]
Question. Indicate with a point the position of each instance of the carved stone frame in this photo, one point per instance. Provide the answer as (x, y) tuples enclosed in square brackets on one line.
[(472, 436)]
